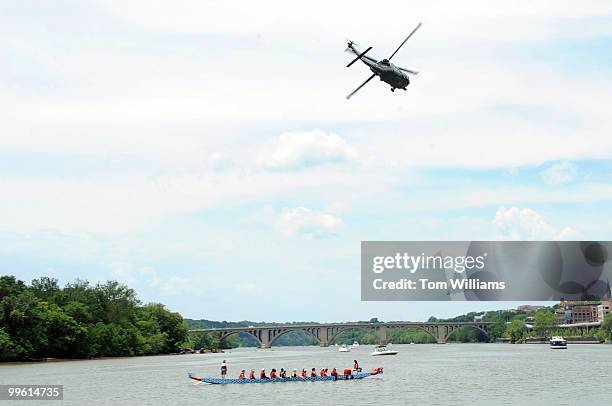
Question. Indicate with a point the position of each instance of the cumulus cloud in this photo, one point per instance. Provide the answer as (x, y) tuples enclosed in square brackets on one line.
[(148, 276), (307, 148), (516, 223), (559, 174), (301, 221)]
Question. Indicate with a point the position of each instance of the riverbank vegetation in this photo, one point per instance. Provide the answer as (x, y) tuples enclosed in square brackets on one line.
[(43, 320), (544, 325), (79, 320)]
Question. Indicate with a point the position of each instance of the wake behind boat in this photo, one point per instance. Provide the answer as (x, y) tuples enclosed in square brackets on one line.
[(344, 377)]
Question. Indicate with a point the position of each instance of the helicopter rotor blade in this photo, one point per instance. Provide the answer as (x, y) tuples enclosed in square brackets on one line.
[(412, 72), (360, 86), (402, 44), (359, 57)]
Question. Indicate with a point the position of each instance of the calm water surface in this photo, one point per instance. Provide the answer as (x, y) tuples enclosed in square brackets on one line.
[(466, 374)]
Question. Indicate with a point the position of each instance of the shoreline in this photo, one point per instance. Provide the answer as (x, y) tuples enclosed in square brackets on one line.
[(52, 359)]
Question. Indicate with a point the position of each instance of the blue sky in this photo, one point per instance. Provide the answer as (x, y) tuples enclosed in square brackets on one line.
[(204, 153)]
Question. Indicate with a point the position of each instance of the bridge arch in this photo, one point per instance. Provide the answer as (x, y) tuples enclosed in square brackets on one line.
[(486, 333), (285, 331), (341, 330), (428, 331), (253, 334)]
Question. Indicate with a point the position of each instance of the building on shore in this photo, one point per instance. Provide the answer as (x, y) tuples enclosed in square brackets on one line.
[(604, 309), (563, 315), (586, 313), (582, 312)]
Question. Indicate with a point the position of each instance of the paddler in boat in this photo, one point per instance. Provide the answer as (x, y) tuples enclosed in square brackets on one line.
[(334, 372), (323, 372), (356, 366), (262, 374), (313, 373), (273, 374), (304, 373), (242, 375), (283, 373), (252, 374), (223, 369), (294, 374)]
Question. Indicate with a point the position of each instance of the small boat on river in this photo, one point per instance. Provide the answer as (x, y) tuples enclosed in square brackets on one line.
[(383, 350), (344, 348), (345, 377), (558, 343)]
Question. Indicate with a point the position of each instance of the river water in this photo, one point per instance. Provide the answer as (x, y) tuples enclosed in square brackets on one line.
[(476, 374)]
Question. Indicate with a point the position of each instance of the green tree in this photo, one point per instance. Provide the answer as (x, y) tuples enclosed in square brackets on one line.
[(46, 320), (44, 287), (606, 327), (543, 321), (515, 330), (7, 349), (168, 323), (10, 286)]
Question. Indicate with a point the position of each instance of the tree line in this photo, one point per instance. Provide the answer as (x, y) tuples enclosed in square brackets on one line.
[(43, 320)]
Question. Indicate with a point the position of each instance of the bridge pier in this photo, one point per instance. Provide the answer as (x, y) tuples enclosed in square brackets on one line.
[(264, 336), (441, 334), (382, 335)]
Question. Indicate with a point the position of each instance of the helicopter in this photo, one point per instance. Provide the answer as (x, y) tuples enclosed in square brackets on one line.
[(388, 72)]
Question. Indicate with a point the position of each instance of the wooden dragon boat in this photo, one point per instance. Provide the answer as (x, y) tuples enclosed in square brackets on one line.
[(226, 381)]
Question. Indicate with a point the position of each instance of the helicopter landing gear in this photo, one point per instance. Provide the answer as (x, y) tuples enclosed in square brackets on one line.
[(404, 89), (393, 89)]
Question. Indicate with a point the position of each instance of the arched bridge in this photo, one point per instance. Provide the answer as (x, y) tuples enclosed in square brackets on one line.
[(326, 333)]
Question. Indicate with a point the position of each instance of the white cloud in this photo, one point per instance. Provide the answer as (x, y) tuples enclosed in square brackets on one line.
[(149, 277), (178, 284), (517, 223), (561, 173), (307, 223), (307, 148)]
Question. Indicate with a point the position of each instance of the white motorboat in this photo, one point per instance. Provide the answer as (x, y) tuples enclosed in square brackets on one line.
[(383, 350), (558, 342), (355, 344), (344, 348)]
